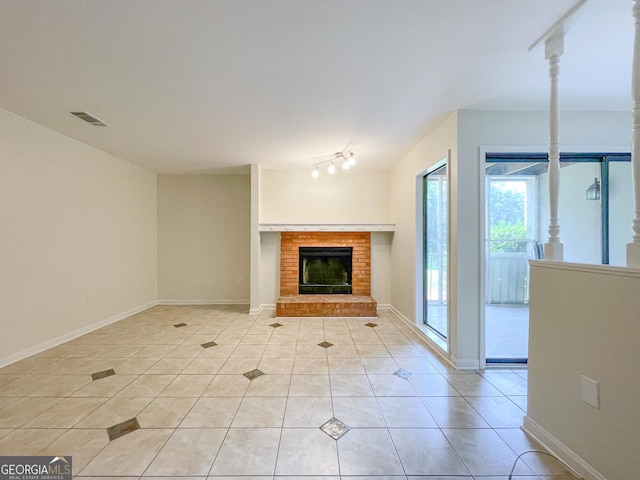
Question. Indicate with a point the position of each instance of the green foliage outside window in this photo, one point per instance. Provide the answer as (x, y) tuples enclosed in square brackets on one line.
[(507, 216), (507, 205), (508, 238)]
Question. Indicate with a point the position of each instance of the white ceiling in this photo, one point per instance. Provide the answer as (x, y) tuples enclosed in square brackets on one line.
[(198, 85)]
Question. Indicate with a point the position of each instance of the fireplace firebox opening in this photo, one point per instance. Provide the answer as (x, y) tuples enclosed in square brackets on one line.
[(325, 270)]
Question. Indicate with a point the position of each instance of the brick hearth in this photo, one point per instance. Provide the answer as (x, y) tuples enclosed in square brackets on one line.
[(360, 304), (326, 306)]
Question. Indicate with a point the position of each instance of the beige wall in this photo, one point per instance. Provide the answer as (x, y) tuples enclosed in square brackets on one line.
[(204, 238), (404, 212), (466, 133), (353, 196), (500, 131), (77, 237), (293, 196), (269, 269), (584, 321), (381, 267)]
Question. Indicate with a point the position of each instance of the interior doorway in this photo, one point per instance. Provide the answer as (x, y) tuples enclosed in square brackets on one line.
[(595, 199), (511, 226)]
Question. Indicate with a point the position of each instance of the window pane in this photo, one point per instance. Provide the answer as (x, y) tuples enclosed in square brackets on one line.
[(620, 211), (435, 250)]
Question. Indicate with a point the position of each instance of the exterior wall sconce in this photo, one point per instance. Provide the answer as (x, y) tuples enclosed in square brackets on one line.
[(593, 192)]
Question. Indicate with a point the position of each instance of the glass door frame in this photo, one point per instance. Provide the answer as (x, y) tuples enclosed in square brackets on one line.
[(441, 339), (576, 157), (532, 154)]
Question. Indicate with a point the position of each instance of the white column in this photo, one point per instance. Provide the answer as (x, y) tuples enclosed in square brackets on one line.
[(254, 290), (554, 47), (633, 248)]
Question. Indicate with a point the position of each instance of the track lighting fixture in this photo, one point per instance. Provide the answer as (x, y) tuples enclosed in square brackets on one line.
[(347, 157)]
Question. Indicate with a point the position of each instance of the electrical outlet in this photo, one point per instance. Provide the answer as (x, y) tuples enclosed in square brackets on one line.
[(240, 280), (590, 391)]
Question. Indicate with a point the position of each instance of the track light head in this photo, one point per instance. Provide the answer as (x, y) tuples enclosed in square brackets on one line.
[(348, 160)]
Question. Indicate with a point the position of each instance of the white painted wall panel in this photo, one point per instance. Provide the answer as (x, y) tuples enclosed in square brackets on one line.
[(204, 237), (584, 321), (78, 234)]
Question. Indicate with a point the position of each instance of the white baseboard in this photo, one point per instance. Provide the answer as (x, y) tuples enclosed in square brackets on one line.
[(384, 306), (400, 315), (560, 450), (28, 352), (437, 348), (465, 363), (262, 308), (204, 301)]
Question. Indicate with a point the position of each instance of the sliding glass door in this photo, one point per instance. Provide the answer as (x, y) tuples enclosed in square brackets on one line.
[(511, 241), (596, 208), (435, 250)]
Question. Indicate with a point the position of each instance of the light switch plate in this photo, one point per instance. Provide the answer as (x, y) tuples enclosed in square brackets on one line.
[(590, 391)]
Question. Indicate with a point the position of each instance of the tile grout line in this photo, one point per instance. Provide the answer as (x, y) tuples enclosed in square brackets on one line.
[(256, 321), (175, 429)]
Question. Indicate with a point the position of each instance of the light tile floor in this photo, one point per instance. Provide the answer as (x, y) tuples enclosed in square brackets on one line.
[(191, 412), (507, 334), (507, 329)]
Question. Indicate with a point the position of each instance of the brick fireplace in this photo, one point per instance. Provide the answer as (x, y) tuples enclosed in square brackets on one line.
[(358, 304)]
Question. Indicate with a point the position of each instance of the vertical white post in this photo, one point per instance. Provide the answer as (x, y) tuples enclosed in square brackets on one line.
[(554, 47), (633, 248), (255, 304)]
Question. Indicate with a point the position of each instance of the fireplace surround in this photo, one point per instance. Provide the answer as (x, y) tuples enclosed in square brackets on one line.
[(358, 303), (290, 243)]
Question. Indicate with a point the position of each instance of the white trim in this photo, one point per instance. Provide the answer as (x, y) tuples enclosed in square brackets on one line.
[(482, 157), (482, 234), (28, 352), (327, 227), (384, 306), (434, 342), (418, 274), (255, 240), (482, 278), (465, 363), (433, 339), (560, 25), (559, 449), (587, 268), (262, 308), (212, 301)]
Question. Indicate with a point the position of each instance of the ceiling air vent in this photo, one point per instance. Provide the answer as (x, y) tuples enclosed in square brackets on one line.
[(87, 117)]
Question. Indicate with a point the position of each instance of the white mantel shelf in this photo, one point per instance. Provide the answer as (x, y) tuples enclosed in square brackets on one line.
[(327, 227)]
